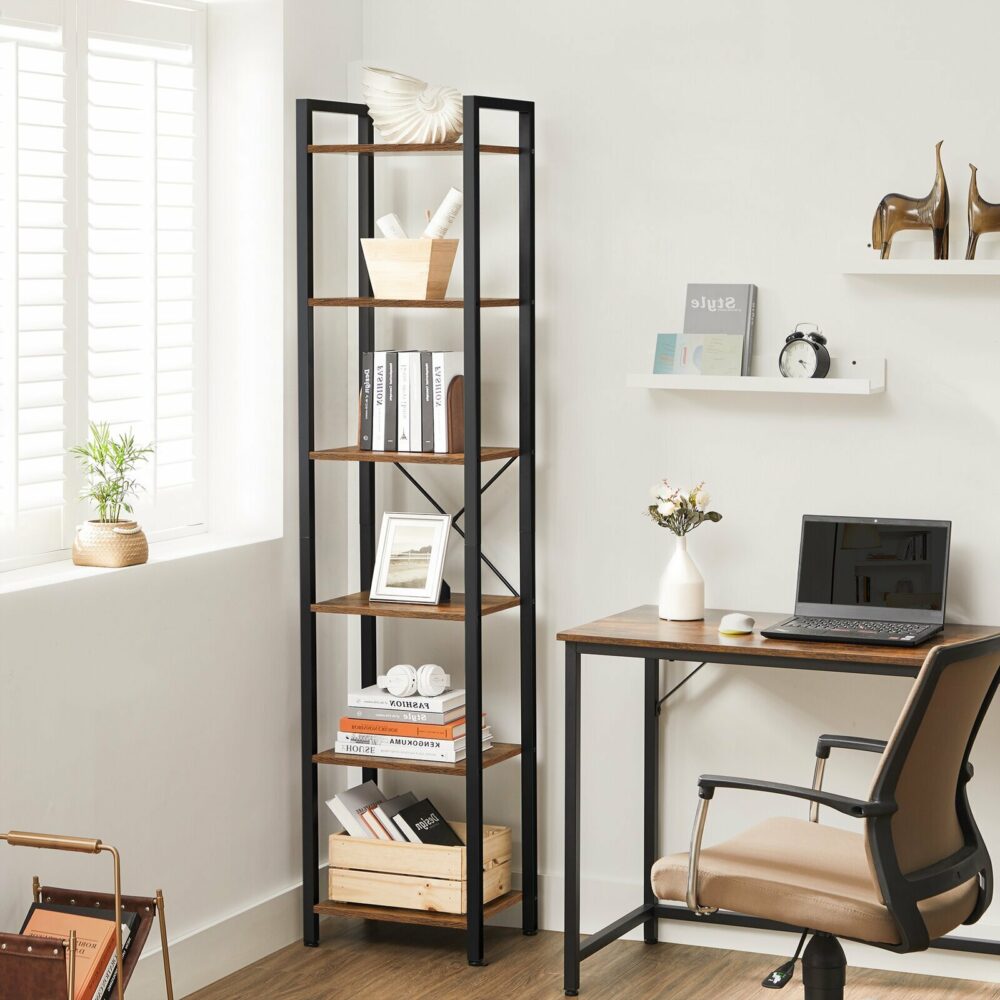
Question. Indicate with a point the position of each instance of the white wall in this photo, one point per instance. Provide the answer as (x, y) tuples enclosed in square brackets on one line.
[(718, 141)]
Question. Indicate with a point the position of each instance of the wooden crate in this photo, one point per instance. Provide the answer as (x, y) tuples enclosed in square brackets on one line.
[(416, 876), (409, 269)]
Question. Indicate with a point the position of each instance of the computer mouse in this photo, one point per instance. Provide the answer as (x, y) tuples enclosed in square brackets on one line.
[(736, 624)]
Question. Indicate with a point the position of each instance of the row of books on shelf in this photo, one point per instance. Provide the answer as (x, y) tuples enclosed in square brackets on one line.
[(96, 969), (405, 401), (379, 724), (364, 811)]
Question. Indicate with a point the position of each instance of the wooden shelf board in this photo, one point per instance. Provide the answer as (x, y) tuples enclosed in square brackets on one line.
[(329, 908), (847, 377), (453, 611), (496, 754), (352, 453), (371, 303), (409, 147)]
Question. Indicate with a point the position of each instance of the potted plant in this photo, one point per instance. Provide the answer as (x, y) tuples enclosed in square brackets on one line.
[(109, 465), (682, 587)]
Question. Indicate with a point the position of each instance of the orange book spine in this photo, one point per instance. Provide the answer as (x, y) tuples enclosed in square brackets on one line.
[(450, 731)]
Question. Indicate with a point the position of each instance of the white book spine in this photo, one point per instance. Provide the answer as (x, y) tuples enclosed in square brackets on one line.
[(378, 407), (440, 403), (373, 697), (416, 424), (416, 742), (446, 365), (348, 820), (401, 753), (389, 823), (403, 407)]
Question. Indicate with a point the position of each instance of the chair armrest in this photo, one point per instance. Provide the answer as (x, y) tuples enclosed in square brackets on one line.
[(708, 783), (826, 743)]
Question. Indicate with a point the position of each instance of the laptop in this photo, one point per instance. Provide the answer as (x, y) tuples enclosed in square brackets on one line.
[(874, 580)]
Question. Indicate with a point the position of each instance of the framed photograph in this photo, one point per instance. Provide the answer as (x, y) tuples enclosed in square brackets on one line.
[(409, 564)]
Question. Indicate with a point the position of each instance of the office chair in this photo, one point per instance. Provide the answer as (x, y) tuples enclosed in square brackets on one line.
[(918, 870)]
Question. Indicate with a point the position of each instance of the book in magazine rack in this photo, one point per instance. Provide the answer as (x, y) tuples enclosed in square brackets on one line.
[(34, 968), (474, 605)]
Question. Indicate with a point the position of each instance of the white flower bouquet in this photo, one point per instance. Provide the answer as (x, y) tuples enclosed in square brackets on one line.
[(680, 511)]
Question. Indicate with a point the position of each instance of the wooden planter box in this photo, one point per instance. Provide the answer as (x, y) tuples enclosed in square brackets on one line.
[(416, 876), (409, 269)]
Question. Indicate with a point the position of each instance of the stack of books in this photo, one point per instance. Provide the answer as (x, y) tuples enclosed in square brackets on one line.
[(404, 400), (96, 971), (364, 811), (380, 724)]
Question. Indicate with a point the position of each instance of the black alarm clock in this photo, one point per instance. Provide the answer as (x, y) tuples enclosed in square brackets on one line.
[(804, 354)]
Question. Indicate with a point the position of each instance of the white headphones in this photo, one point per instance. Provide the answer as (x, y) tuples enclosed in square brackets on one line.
[(404, 680)]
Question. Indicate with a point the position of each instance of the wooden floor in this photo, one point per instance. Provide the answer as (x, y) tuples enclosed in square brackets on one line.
[(360, 960)]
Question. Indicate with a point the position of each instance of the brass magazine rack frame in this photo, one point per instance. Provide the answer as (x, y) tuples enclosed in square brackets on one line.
[(48, 970)]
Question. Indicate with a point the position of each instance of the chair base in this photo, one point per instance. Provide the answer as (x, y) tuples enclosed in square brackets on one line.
[(824, 969)]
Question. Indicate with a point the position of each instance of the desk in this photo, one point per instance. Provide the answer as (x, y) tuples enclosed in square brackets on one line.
[(641, 634)]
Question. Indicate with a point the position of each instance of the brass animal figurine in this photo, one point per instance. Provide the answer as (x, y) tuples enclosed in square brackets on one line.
[(897, 212), (984, 216)]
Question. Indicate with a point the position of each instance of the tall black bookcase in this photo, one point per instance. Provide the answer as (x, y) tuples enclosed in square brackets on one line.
[(474, 605)]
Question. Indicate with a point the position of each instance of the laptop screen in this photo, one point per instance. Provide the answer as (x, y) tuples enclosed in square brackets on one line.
[(874, 564)]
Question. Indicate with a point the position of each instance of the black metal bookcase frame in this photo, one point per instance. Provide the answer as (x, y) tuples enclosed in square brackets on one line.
[(474, 609)]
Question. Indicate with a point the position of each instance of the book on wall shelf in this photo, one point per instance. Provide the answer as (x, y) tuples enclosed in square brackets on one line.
[(717, 338)]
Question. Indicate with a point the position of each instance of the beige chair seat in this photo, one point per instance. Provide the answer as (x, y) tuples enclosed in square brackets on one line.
[(803, 874)]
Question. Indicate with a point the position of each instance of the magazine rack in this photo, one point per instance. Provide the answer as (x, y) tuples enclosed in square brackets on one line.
[(46, 972)]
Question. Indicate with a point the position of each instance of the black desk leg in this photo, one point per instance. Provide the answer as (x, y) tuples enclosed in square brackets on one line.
[(571, 924), (651, 796)]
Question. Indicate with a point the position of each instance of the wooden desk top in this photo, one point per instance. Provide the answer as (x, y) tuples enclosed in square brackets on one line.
[(642, 627)]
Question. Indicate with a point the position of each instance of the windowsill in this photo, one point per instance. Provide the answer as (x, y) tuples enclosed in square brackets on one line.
[(63, 571)]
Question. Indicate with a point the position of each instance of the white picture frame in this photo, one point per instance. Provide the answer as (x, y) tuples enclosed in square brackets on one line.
[(409, 563)]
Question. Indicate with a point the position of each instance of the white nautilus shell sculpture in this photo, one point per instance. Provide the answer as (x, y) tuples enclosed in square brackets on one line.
[(405, 109)]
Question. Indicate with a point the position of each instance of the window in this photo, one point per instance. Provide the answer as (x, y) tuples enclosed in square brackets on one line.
[(101, 257)]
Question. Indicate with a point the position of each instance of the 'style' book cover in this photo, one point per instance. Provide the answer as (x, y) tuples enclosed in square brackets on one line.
[(723, 309), (422, 824)]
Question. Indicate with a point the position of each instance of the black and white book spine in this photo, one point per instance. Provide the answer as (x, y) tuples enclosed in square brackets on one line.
[(367, 374), (447, 364), (378, 410), (427, 400), (416, 410), (391, 400), (403, 409)]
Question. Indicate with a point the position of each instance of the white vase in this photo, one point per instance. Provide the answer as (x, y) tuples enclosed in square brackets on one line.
[(682, 588)]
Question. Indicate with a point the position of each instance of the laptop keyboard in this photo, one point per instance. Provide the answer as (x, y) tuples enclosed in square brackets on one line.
[(852, 625)]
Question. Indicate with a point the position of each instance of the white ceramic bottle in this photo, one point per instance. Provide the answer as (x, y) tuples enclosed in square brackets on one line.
[(682, 587)]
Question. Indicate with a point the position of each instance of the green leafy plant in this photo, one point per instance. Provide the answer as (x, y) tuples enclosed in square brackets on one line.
[(678, 510), (110, 467)]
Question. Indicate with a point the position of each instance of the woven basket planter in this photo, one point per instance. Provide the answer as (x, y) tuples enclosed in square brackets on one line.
[(112, 545)]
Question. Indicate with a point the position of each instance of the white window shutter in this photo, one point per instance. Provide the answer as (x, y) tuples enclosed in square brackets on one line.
[(33, 289)]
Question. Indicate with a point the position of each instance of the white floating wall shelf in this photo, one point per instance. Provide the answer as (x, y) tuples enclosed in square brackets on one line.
[(924, 268), (847, 377)]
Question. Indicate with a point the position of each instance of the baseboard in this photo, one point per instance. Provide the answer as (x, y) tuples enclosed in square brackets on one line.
[(604, 900), (206, 955)]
